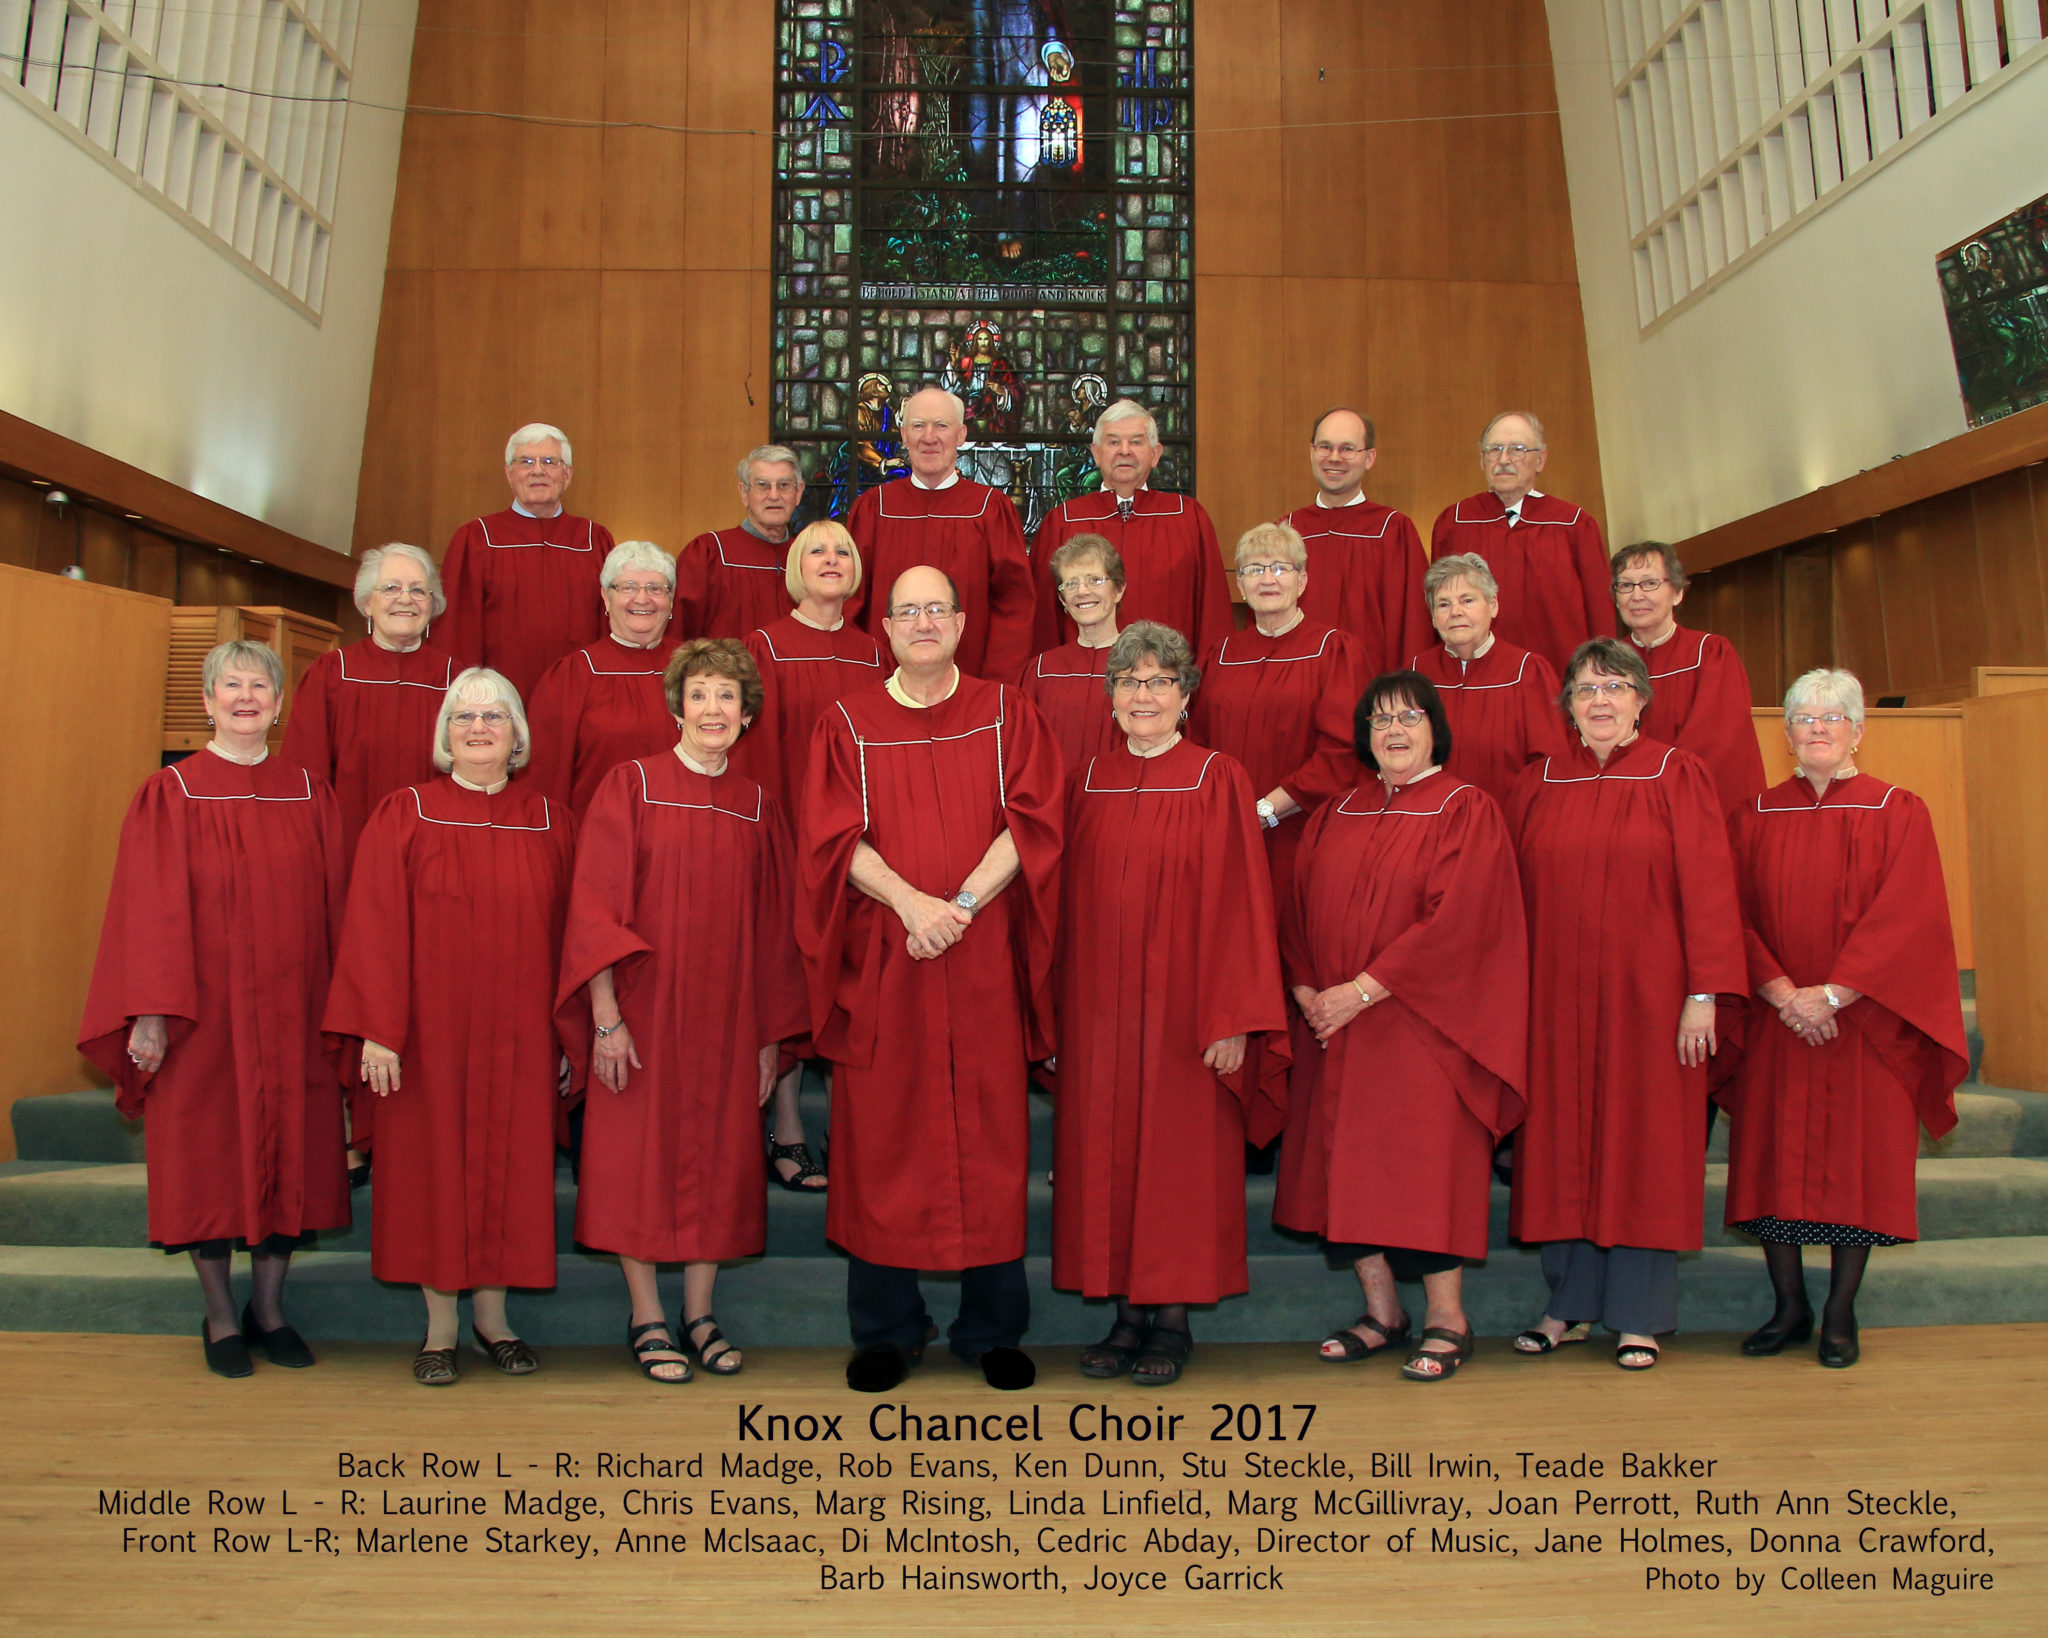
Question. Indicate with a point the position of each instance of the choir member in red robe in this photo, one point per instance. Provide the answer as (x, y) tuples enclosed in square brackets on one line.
[(204, 1008), (730, 581), (1545, 553), (1369, 559), (604, 705), (966, 530), (1500, 700), (522, 582), (927, 905), (682, 931), (1855, 1038), (1634, 934), (1702, 690), (1168, 962), (1172, 564), (446, 977), (1408, 957), (1067, 683)]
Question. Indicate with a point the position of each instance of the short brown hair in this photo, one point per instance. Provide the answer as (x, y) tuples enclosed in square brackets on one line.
[(1610, 657), (714, 657), (1086, 546), (1674, 571)]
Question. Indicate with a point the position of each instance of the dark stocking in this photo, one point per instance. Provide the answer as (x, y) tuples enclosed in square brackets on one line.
[(1170, 1316), (266, 1300), (1788, 1286), (1845, 1274), (214, 1286)]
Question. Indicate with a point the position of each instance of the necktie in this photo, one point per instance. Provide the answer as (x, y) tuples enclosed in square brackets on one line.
[(1123, 507), (1514, 516)]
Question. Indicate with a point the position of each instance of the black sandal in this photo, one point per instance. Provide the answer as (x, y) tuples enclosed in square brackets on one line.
[(1111, 1358), (1446, 1363), (1535, 1341), (1169, 1349), (643, 1346), (726, 1362), (434, 1367), (1356, 1347), (509, 1354), (806, 1166)]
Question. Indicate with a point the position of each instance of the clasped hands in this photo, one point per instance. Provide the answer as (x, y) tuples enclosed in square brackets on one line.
[(1807, 1012), (933, 925), (1328, 1011)]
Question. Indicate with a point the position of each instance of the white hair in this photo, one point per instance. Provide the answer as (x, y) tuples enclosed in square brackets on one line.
[(959, 404), (1466, 566), (1127, 409), (372, 565), (1535, 426), (1824, 687), (480, 685), (636, 554), (538, 432), (244, 656), (769, 455)]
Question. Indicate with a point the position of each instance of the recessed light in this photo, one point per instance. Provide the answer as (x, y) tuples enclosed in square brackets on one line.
[(132, 517)]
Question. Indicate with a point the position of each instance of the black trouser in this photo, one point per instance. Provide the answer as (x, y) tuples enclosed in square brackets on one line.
[(1632, 1289), (884, 1304)]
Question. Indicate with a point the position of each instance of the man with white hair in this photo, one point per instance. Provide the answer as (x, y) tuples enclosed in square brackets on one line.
[(1172, 565), (965, 530), (731, 581), (1368, 559), (1546, 553), (522, 583)]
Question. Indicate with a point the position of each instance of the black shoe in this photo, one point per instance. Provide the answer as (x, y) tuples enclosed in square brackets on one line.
[(1775, 1338), (284, 1346), (1008, 1369), (1838, 1354), (227, 1357), (876, 1368), (359, 1175)]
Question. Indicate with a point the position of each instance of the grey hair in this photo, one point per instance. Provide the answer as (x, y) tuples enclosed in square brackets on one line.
[(1127, 409), (1280, 540), (372, 565), (1535, 426), (480, 685), (959, 404), (1658, 552), (1167, 648), (636, 554), (768, 455), (1607, 657), (538, 432), (245, 656), (1458, 566), (1825, 687), (793, 562)]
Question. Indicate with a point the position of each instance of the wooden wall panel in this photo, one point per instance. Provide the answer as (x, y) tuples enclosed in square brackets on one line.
[(1859, 610), (2009, 550), (646, 173), (2005, 740), (1238, 154)]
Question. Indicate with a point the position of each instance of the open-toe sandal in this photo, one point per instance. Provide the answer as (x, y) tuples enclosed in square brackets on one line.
[(1413, 1368), (1163, 1357), (434, 1367), (1109, 1357), (807, 1167), (1355, 1347), (1635, 1356), (645, 1344), (1534, 1341), (510, 1354), (724, 1361)]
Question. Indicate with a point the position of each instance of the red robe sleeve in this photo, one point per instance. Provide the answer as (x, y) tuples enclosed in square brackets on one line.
[(1596, 576), (693, 588), (1237, 950), (460, 630), (1408, 626), (1709, 910), (1333, 765), (1212, 589), (553, 717), (598, 930), (309, 735), (370, 998), (844, 983), (1720, 730), (1013, 597), (1035, 783), (1543, 720), (778, 965)]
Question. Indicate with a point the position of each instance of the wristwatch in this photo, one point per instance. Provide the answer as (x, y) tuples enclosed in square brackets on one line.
[(1834, 1000), (966, 900), (1699, 998), (1268, 819)]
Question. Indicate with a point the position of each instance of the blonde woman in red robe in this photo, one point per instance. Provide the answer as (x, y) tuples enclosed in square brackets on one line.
[(446, 976), (1855, 1039), (1406, 906), (682, 930), (1167, 965), (1634, 938), (1067, 683), (204, 1006)]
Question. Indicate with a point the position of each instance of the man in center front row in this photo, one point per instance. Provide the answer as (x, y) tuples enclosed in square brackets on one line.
[(927, 899)]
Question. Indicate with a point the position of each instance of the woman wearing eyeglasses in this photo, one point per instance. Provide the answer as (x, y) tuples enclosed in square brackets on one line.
[(602, 705), (1066, 683), (446, 976), (1702, 690), (1406, 906), (1634, 937), (1168, 964), (1855, 1032)]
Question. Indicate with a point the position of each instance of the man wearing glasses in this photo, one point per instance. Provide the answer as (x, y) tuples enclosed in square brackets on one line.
[(522, 583), (1173, 567), (1546, 553), (1369, 559), (927, 896), (965, 530), (731, 581)]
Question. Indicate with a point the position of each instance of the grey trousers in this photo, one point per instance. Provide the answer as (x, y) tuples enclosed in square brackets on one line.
[(1625, 1288)]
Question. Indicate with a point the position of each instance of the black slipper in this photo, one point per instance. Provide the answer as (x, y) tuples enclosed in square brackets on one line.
[(1008, 1369), (876, 1368)]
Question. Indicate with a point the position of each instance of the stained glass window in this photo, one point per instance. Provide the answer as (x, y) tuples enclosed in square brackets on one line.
[(1995, 287), (994, 196)]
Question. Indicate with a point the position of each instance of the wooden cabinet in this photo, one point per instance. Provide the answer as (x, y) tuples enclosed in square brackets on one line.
[(297, 639)]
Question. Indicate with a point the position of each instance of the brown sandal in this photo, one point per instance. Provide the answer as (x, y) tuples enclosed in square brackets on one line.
[(1356, 1347), (509, 1354), (1447, 1363), (434, 1367)]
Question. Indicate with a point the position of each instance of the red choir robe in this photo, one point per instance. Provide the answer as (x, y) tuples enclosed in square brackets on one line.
[(968, 531), (522, 592), (1173, 568), (1555, 585), (930, 1131), (1844, 888), (363, 720), (1701, 704), (1068, 686), (1392, 1126), (1502, 708), (448, 957), (1630, 894), (226, 898), (594, 709), (803, 671), (728, 581), (1167, 946), (684, 888), (1365, 568)]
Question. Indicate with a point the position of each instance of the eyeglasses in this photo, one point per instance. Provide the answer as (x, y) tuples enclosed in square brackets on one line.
[(1083, 582), (1381, 721), (905, 613), (636, 588), (1259, 571), (1612, 687), (1623, 587), (1128, 684), (1350, 452), (775, 486), (1514, 452), (931, 426), (489, 719), (547, 463), (1832, 719), (392, 592)]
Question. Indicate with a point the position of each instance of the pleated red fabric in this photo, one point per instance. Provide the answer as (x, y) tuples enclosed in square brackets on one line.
[(1551, 565), (1845, 888), (1167, 945), (226, 900), (1702, 705), (1392, 1125), (684, 888), (1173, 567), (522, 592), (968, 531), (728, 581), (1067, 685), (448, 957), (803, 671), (1365, 568), (1630, 894), (1503, 712), (596, 708)]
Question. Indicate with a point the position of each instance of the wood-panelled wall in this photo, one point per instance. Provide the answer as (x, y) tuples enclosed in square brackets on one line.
[(2005, 743), (1381, 220)]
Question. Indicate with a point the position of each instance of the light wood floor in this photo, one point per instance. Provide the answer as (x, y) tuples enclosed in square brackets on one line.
[(1958, 1413)]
